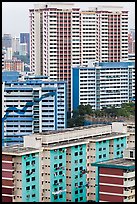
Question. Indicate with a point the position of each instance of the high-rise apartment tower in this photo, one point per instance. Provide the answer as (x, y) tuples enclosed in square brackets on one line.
[(63, 36)]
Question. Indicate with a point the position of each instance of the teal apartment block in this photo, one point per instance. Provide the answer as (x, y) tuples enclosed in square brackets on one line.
[(30, 178), (60, 169), (119, 145), (58, 175), (78, 173)]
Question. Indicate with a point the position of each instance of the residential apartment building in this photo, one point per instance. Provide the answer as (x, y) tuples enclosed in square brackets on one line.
[(63, 163), (66, 158), (20, 174), (32, 104), (131, 135), (116, 178), (103, 84), (14, 65), (63, 36)]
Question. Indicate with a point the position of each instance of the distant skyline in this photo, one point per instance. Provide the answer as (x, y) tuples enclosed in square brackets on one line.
[(15, 15)]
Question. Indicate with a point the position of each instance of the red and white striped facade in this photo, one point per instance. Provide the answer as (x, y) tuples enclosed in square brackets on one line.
[(63, 37), (116, 185), (7, 179)]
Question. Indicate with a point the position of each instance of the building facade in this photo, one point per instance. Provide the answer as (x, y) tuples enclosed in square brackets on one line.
[(25, 38), (131, 43), (103, 84), (14, 65), (67, 156), (116, 178), (63, 163), (6, 41), (32, 105), (20, 174), (15, 44), (66, 37)]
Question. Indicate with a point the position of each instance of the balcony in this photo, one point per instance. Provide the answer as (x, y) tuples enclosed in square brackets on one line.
[(129, 183), (129, 192), (129, 174), (129, 200)]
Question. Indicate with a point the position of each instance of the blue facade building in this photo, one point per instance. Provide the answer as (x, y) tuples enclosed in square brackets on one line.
[(103, 84), (25, 38), (32, 104)]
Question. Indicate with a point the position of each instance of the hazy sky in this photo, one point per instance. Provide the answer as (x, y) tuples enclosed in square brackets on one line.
[(15, 15)]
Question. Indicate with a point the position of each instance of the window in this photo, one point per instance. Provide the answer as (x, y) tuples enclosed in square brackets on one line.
[(76, 153), (81, 191), (122, 145), (55, 197), (60, 173), (80, 168), (76, 161), (104, 148), (131, 154), (76, 184), (55, 189), (60, 188), (76, 176), (60, 180), (33, 195), (100, 149), (81, 183), (81, 153), (100, 156), (55, 165), (81, 198), (33, 170), (28, 188), (60, 157), (118, 153), (76, 169), (60, 164), (104, 155), (76, 200), (28, 180), (33, 178), (55, 182), (27, 171), (81, 160), (33, 162), (60, 196), (33, 186), (76, 192), (27, 163)]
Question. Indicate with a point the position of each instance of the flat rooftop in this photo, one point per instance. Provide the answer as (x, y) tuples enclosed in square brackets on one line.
[(78, 141), (72, 129), (120, 163), (18, 150)]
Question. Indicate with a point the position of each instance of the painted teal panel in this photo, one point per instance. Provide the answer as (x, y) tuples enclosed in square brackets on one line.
[(30, 180), (78, 179), (102, 154), (119, 145), (58, 175)]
